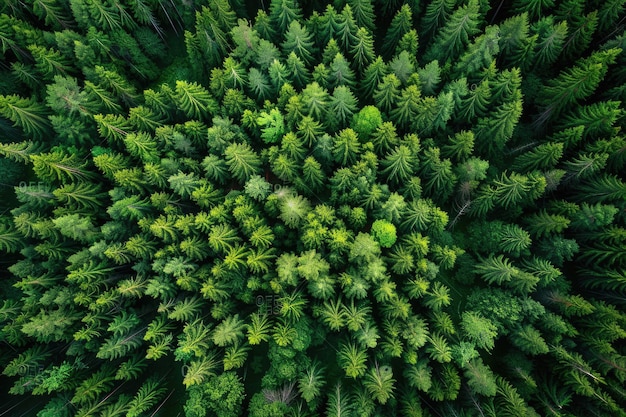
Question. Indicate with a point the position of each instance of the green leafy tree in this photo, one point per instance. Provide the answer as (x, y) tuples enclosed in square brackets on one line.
[(224, 393), (384, 232), (367, 121)]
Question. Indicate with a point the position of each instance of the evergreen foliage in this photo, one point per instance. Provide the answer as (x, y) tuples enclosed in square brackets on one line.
[(364, 207)]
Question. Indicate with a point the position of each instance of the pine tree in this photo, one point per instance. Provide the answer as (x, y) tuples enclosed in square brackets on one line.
[(59, 166), (346, 147), (543, 157), (401, 24), (234, 74), (242, 161), (399, 165), (283, 13), (574, 84), (379, 382), (433, 114), (480, 52), (26, 114), (429, 77), (602, 188), (309, 130), (408, 104), (402, 65), (340, 402), (228, 331), (372, 76), (586, 165), (454, 36), (258, 84), (476, 103), (352, 359), (440, 179), (79, 194), (18, 152), (194, 100), (515, 39), (436, 15), (529, 340), (608, 14), (598, 118), (385, 137), (346, 30), (147, 396), (117, 84), (514, 240), (387, 95), (210, 39), (342, 106), (363, 11), (284, 167), (263, 25), (329, 24), (49, 62), (543, 223), (492, 133), (298, 73), (315, 99), (481, 378), (582, 28), (340, 72), (299, 40)]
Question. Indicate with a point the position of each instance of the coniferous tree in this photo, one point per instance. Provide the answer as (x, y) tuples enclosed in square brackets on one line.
[(283, 13), (26, 114), (274, 183), (401, 24), (453, 37)]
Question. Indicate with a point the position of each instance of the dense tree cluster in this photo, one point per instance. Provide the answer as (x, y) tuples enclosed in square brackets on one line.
[(356, 208)]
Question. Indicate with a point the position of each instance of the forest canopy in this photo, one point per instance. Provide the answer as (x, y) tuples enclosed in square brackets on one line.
[(304, 208)]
